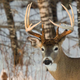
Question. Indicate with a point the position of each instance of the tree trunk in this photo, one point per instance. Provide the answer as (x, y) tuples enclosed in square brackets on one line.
[(78, 14), (54, 9), (10, 22), (46, 14)]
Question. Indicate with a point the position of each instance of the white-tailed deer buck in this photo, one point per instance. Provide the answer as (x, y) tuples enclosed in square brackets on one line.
[(58, 64)]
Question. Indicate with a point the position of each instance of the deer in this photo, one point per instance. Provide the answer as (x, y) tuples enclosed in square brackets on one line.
[(60, 66)]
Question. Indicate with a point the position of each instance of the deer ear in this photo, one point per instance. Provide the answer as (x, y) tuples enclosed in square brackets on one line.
[(34, 42)]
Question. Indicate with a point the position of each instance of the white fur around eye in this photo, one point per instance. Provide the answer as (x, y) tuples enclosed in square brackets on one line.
[(55, 48)]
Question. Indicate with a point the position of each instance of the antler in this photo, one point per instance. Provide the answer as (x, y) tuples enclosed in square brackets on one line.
[(67, 27), (28, 27)]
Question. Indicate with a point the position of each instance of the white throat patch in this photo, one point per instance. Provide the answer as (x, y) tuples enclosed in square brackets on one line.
[(52, 67)]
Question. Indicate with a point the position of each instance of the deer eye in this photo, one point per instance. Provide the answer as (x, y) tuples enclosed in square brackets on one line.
[(55, 48), (42, 48)]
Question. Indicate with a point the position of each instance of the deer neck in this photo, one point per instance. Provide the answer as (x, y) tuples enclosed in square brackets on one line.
[(61, 56), (46, 14)]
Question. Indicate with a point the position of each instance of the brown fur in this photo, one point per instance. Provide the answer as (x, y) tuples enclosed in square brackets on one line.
[(67, 68)]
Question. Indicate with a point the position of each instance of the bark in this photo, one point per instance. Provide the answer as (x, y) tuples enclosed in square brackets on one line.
[(54, 9), (46, 14), (7, 0), (78, 14), (12, 31)]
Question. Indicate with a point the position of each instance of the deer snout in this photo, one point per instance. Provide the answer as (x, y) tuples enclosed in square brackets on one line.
[(47, 62)]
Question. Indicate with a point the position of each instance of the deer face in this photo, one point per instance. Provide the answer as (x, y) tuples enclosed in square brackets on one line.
[(49, 49), (49, 53)]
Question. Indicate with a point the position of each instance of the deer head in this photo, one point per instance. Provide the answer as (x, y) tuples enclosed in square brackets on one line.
[(50, 47)]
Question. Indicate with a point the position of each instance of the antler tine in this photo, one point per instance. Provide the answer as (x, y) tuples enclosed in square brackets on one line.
[(29, 14), (71, 20), (27, 26), (68, 14), (27, 21), (70, 28), (72, 14), (61, 26)]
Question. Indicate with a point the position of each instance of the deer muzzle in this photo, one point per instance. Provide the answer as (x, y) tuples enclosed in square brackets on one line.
[(47, 61)]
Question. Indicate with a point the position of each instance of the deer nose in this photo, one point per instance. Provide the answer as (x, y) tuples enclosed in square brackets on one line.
[(47, 62)]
